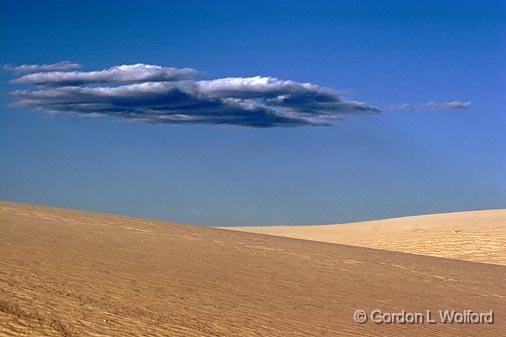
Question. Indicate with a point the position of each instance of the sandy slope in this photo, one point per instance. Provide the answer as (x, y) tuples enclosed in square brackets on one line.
[(474, 236), (67, 273)]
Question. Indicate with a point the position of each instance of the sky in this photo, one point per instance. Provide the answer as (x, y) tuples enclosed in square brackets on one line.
[(254, 113)]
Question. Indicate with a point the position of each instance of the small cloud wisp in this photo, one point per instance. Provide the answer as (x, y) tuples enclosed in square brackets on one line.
[(433, 106)]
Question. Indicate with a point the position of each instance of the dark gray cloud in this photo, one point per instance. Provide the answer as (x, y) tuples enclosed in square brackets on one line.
[(157, 94), (39, 68)]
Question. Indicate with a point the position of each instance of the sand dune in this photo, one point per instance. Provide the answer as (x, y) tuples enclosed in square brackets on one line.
[(478, 236), (69, 273)]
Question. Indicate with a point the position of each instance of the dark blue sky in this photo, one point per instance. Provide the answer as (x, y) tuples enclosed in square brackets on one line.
[(399, 162)]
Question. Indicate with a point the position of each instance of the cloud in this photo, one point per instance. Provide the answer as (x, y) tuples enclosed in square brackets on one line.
[(450, 105), (123, 73), (155, 94), (39, 68)]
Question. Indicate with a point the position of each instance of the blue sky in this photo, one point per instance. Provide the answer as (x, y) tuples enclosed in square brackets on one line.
[(402, 161)]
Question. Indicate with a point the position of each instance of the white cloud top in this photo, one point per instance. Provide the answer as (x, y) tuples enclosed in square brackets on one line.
[(123, 73), (38, 68)]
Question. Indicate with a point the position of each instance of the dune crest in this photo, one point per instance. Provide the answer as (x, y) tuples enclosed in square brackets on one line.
[(478, 236)]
